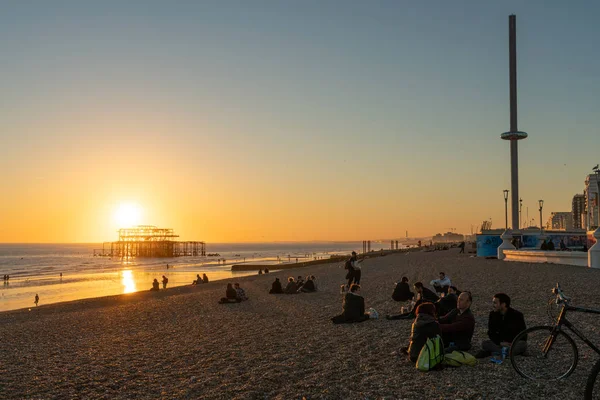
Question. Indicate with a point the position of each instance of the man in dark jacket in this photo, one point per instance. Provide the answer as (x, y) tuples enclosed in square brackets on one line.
[(402, 291), (458, 325), (353, 307), (504, 324)]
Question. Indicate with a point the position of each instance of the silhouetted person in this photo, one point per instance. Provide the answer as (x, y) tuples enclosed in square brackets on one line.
[(204, 278), (402, 291), (562, 245), (550, 245), (462, 247), (291, 287), (544, 246), (276, 287), (353, 307), (260, 272), (230, 295), (266, 270), (37, 299), (165, 280), (309, 285), (155, 284)]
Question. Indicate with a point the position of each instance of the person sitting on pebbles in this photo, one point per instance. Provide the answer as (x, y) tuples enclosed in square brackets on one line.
[(424, 327), (448, 302), (276, 287), (458, 325), (423, 295), (441, 285), (309, 285), (353, 307), (291, 287), (402, 291), (198, 280), (230, 296), (155, 285), (204, 278), (241, 294)]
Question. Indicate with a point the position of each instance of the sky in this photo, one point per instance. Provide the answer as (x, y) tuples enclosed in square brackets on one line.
[(238, 121)]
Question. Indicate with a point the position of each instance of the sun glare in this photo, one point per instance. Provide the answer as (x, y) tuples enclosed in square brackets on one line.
[(128, 215)]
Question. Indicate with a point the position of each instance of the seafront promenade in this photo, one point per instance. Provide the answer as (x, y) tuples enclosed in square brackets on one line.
[(179, 343)]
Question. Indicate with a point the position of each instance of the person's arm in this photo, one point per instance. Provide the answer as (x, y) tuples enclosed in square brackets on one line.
[(446, 319), (459, 325)]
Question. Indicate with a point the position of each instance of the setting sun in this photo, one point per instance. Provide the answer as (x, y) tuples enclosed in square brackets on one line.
[(127, 215)]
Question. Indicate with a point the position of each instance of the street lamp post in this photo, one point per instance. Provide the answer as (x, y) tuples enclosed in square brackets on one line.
[(596, 170), (541, 202), (520, 212), (506, 209)]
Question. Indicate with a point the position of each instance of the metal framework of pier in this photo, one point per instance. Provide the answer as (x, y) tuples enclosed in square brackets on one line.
[(150, 241)]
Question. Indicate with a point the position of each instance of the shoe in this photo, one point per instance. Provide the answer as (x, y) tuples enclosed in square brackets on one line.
[(482, 354)]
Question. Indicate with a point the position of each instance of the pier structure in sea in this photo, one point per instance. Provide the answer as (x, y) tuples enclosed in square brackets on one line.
[(150, 241)]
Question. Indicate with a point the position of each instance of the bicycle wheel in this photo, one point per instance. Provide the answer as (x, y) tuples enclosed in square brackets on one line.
[(558, 362), (592, 388)]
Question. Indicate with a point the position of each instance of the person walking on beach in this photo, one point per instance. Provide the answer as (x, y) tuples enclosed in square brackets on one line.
[(165, 280), (462, 247), (37, 299)]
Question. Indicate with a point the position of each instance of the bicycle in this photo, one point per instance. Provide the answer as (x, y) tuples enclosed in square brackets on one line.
[(553, 346)]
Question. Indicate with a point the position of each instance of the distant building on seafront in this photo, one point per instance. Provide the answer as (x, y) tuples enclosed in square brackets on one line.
[(578, 211), (560, 221), (591, 202), (448, 237)]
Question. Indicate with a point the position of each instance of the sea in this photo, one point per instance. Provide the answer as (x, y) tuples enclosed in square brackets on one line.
[(66, 272)]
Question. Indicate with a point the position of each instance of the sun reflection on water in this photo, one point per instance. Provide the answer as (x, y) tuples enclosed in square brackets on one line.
[(127, 281)]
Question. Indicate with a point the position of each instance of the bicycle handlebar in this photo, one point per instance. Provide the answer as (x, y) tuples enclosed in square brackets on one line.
[(560, 296)]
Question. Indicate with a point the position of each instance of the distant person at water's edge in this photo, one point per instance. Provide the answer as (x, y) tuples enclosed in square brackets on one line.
[(204, 278), (165, 280), (36, 300), (198, 280), (155, 285), (353, 307)]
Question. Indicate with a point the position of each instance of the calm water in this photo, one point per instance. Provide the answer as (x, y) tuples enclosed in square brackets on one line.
[(36, 268)]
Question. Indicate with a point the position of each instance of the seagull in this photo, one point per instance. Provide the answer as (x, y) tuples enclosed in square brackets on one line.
[(596, 167)]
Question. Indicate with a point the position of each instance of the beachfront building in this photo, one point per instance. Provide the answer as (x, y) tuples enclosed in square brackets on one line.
[(578, 211), (560, 221), (592, 202), (448, 237)]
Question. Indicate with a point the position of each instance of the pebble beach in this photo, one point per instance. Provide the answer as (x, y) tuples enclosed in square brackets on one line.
[(180, 343)]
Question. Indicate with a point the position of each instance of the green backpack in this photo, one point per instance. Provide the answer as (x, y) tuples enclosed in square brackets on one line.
[(459, 358), (431, 355)]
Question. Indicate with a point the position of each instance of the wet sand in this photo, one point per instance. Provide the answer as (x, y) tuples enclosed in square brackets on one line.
[(180, 343)]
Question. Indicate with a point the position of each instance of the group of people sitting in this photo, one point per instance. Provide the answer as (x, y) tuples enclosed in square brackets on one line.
[(199, 280), (295, 286), (450, 317), (233, 294)]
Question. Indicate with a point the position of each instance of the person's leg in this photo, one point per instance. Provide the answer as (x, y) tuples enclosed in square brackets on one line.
[(357, 277), (519, 348), (490, 347)]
